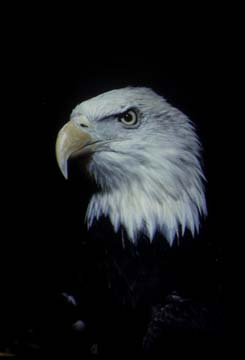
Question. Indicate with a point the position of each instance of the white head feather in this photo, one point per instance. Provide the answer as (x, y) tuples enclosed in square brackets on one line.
[(150, 177)]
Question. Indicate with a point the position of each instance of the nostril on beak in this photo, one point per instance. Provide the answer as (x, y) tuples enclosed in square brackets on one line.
[(82, 121)]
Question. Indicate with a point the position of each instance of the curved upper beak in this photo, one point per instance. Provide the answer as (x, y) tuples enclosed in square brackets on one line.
[(70, 139)]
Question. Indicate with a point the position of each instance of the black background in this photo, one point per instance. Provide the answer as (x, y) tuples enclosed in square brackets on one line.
[(44, 78)]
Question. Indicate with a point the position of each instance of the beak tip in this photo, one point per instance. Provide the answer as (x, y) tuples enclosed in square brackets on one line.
[(64, 170), (62, 163)]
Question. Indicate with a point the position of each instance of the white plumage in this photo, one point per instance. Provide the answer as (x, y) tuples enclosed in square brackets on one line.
[(149, 175)]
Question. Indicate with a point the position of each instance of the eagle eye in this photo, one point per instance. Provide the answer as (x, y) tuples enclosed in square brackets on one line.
[(129, 118)]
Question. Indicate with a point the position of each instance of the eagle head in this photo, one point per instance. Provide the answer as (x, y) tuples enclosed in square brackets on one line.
[(144, 155)]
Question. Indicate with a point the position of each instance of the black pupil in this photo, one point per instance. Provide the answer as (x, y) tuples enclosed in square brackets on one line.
[(128, 117)]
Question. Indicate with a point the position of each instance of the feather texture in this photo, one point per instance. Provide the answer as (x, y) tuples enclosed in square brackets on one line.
[(150, 176)]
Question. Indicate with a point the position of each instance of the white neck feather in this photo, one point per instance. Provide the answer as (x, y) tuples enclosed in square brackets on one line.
[(165, 194)]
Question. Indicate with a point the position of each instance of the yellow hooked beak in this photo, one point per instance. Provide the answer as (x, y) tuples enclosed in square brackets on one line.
[(71, 138)]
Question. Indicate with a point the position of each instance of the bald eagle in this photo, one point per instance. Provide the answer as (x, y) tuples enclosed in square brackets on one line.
[(144, 157)]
